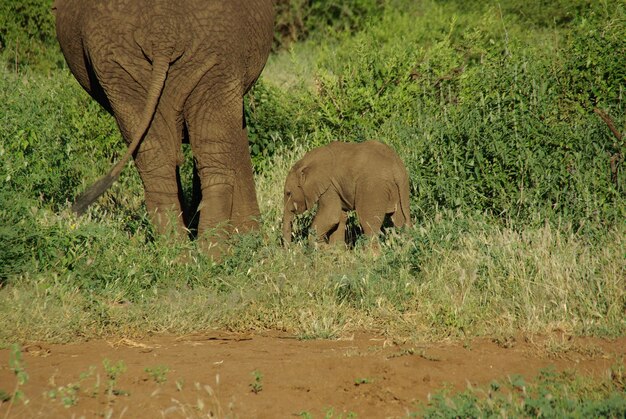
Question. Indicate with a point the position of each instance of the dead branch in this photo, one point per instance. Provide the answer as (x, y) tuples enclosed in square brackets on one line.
[(607, 119)]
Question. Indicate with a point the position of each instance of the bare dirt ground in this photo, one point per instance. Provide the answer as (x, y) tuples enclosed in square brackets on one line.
[(214, 374)]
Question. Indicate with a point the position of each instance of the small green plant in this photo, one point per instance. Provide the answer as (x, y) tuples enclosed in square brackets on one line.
[(113, 371), (95, 389), (16, 364), (360, 381), (67, 394), (257, 384), (4, 396), (330, 413), (158, 373)]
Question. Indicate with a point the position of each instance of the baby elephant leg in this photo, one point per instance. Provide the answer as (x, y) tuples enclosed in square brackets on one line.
[(339, 235), (371, 221), (371, 205), (328, 217)]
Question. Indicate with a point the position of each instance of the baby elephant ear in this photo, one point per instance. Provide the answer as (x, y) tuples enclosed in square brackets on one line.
[(302, 174)]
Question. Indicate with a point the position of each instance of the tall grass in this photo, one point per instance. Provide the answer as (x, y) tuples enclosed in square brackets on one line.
[(451, 276), (519, 225)]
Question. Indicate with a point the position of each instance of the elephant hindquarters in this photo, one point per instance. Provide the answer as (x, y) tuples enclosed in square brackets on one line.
[(373, 201)]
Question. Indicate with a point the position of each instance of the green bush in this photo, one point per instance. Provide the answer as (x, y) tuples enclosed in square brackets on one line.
[(536, 14), (27, 35), (273, 118), (299, 19), (54, 138), (592, 74), (551, 395)]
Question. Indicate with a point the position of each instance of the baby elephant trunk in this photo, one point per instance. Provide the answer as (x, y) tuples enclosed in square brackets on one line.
[(287, 223)]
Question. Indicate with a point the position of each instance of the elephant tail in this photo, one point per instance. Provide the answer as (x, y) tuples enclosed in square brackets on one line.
[(404, 193), (160, 68)]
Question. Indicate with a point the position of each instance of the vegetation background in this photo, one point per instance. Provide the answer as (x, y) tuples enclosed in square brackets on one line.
[(518, 187)]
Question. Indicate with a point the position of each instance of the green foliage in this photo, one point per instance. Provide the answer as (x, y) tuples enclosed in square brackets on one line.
[(17, 366), (113, 372), (68, 394), (299, 19), (158, 373), (487, 116), (551, 395), (51, 128), (256, 386), (592, 76), (27, 34), (536, 14), (273, 118), (4, 396)]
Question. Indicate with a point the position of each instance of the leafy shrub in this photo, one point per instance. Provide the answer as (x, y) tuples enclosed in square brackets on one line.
[(27, 34), (536, 13), (54, 138), (272, 118), (551, 395), (592, 74), (474, 105), (299, 19)]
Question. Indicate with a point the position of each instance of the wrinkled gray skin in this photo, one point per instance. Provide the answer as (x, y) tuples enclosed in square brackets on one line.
[(173, 72), (366, 177)]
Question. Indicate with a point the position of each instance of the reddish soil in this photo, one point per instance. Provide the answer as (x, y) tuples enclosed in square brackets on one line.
[(366, 375)]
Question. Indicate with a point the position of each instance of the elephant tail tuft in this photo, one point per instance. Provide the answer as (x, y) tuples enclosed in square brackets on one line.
[(90, 195)]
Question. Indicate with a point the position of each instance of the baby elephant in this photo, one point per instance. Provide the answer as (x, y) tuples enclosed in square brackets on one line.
[(367, 177)]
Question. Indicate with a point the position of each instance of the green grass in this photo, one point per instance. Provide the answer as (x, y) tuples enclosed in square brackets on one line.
[(454, 275), (551, 395), (518, 223)]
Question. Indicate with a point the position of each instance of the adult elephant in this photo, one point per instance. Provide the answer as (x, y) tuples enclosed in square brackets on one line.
[(173, 72)]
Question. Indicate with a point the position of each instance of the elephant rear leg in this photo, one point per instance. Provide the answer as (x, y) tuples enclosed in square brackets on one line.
[(214, 115), (397, 219), (371, 204), (245, 211), (371, 221), (371, 212), (157, 160), (157, 154)]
